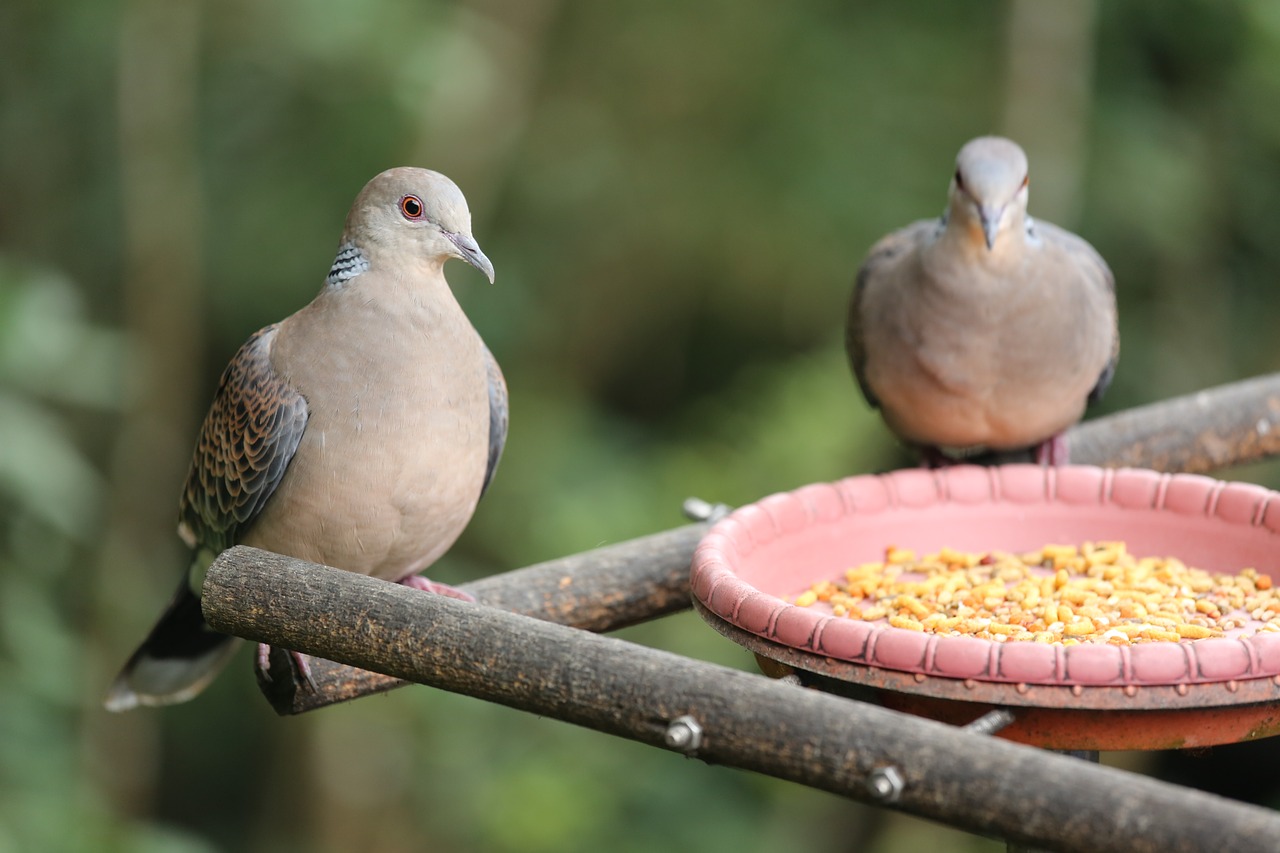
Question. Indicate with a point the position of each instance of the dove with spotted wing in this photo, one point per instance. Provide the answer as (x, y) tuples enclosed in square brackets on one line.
[(359, 432)]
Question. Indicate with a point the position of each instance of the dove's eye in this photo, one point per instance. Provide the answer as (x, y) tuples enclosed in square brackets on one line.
[(959, 181), (411, 207)]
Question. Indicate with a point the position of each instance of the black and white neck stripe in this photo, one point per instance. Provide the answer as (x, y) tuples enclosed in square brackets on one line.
[(348, 264)]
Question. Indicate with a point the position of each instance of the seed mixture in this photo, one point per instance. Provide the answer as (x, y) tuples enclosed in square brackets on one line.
[(1093, 593)]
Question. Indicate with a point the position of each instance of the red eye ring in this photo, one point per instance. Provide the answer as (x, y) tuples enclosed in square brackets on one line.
[(411, 207)]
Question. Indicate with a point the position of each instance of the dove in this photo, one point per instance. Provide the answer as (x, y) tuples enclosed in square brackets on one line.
[(360, 432), (984, 330)]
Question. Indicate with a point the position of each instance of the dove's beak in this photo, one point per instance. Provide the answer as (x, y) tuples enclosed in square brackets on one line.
[(469, 251), (990, 215)]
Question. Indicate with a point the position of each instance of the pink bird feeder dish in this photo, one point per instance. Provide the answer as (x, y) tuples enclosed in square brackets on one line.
[(1091, 696)]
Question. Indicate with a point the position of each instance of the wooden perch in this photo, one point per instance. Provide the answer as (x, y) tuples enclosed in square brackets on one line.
[(1207, 431), (720, 715), (600, 590), (644, 578)]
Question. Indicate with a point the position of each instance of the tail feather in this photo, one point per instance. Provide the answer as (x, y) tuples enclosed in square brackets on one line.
[(177, 660)]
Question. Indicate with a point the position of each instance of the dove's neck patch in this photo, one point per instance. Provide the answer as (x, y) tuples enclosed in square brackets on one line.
[(349, 263)]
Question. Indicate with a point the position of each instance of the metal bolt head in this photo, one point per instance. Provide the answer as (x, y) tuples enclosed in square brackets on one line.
[(885, 784), (684, 734)]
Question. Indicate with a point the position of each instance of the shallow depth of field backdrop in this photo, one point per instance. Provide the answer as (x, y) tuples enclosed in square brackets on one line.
[(675, 196)]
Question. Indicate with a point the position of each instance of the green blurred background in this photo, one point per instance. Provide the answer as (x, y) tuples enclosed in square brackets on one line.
[(675, 196)]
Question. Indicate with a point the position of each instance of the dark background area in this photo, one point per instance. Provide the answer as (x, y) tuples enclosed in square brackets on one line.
[(675, 196)]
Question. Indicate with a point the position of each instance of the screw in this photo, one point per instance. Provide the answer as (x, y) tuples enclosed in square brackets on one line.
[(885, 784), (684, 733), (991, 722)]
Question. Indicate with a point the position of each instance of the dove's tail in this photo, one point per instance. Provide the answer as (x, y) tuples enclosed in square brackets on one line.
[(179, 658)]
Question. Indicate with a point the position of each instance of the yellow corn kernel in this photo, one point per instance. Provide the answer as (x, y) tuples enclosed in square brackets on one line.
[(1106, 553), (806, 598), (905, 622), (957, 558), (1132, 610), (1080, 628), (1206, 606), (1076, 595), (910, 602)]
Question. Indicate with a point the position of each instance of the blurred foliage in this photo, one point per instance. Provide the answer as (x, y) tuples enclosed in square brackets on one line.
[(675, 196)]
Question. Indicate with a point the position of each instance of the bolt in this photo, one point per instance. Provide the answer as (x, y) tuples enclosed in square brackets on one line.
[(991, 722), (885, 784), (684, 734)]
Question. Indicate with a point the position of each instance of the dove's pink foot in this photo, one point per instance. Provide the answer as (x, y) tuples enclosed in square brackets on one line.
[(428, 585), (1055, 451), (301, 666)]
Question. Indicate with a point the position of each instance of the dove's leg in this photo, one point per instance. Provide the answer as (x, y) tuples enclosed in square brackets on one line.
[(1054, 451), (301, 666), (428, 585)]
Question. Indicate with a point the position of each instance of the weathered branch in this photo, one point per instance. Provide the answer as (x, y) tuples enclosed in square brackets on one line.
[(731, 717), (644, 578), (601, 590), (1212, 429)]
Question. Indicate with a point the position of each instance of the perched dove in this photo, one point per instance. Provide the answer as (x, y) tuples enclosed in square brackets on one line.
[(359, 432), (983, 330)]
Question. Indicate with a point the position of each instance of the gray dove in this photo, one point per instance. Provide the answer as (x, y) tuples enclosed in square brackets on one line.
[(984, 330)]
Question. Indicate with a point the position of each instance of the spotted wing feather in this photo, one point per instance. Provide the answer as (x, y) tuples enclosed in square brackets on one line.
[(245, 445)]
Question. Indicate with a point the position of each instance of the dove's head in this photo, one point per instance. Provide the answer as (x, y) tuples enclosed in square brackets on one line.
[(989, 190), (414, 212)]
